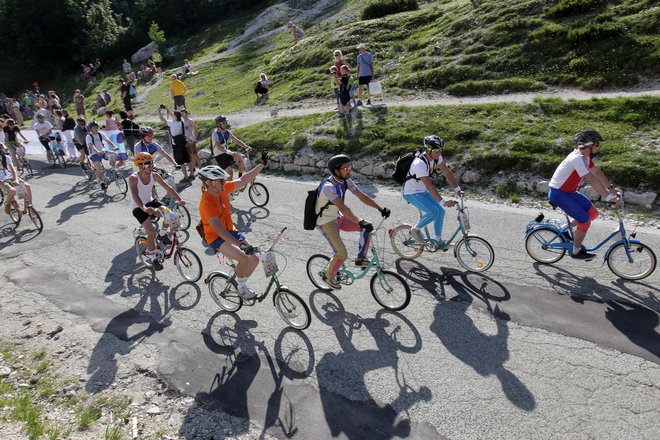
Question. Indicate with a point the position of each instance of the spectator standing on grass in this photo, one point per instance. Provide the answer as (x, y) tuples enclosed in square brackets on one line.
[(335, 83), (339, 59), (125, 93), (262, 86), (111, 122), (68, 125), (53, 101), (130, 76), (131, 131), (99, 104), (344, 90), (158, 60), (15, 111), (178, 92), (126, 66), (365, 71), (179, 142), (192, 134), (79, 102)]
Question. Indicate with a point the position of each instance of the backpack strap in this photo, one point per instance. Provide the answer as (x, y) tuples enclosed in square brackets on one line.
[(414, 176), (329, 202)]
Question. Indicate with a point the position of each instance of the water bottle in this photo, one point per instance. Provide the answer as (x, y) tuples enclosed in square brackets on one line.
[(462, 216)]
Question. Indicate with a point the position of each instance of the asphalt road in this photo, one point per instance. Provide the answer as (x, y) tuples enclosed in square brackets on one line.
[(522, 351)]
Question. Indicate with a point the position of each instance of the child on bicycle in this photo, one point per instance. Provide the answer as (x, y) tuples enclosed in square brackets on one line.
[(335, 216), (144, 206), (419, 191), (564, 184), (97, 149), (9, 180), (12, 132), (219, 230)]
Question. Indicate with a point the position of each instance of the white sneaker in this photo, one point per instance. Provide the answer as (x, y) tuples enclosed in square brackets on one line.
[(246, 293), (417, 235)]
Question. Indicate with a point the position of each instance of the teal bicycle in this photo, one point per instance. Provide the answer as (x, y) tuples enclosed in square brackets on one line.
[(548, 240), (471, 251), (388, 288)]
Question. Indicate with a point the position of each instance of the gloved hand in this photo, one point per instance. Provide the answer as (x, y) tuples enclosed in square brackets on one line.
[(366, 226), (248, 249), (385, 212)]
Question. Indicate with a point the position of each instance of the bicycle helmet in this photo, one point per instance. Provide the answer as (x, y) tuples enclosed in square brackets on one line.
[(587, 137), (434, 142), (10, 121), (142, 158), (337, 161), (212, 172), (220, 119), (146, 131)]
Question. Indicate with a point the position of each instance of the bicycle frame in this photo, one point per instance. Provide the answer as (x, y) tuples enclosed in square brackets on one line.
[(460, 228)]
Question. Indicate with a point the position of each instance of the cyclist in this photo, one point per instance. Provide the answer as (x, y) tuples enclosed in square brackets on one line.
[(566, 179), (419, 191), (144, 206), (220, 140), (96, 147), (147, 145), (44, 129), (335, 216), (12, 132), (7, 175), (219, 230)]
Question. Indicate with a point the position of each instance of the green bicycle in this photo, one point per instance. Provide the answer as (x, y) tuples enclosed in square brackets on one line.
[(290, 306), (472, 252), (388, 288)]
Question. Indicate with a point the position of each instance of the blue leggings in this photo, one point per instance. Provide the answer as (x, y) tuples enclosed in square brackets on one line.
[(575, 204), (432, 210)]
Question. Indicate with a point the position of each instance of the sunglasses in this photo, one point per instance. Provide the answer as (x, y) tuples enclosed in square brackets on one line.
[(148, 164)]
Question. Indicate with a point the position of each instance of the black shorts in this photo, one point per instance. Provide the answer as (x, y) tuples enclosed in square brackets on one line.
[(181, 154), (142, 216), (127, 105), (225, 160), (364, 80), (81, 147)]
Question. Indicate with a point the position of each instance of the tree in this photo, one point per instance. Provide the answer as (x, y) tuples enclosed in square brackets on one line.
[(156, 34)]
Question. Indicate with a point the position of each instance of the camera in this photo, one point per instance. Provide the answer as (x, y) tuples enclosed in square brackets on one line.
[(162, 106)]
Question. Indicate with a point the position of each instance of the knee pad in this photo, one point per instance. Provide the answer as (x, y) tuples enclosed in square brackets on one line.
[(583, 227)]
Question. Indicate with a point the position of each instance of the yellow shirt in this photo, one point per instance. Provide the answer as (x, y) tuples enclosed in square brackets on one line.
[(177, 87), (157, 57)]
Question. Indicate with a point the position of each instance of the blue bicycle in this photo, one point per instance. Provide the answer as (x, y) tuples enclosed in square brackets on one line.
[(548, 240)]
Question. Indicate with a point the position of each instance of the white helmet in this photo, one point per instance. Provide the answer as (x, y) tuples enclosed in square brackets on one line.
[(212, 172)]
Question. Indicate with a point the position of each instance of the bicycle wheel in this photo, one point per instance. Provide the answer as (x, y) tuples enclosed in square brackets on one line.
[(36, 219), (185, 217), (259, 194), (292, 309), (121, 183), (15, 213), (28, 168), (87, 172), (141, 249), (642, 265), (390, 290), (2, 196), (188, 264), (316, 267), (224, 292), (59, 160), (536, 245), (474, 254), (403, 244)]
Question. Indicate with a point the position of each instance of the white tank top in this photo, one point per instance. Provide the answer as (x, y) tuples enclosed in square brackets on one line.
[(144, 190)]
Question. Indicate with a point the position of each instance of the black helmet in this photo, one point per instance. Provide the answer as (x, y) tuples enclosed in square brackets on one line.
[(434, 142), (587, 137), (337, 161), (220, 119)]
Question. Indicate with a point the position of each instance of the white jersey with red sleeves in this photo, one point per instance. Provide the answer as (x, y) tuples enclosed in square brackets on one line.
[(570, 172)]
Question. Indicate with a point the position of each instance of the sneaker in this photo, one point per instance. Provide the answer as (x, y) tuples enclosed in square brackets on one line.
[(368, 101), (157, 265), (104, 186), (362, 263), (165, 239), (417, 235), (583, 255), (246, 293), (359, 103), (334, 284), (7, 208)]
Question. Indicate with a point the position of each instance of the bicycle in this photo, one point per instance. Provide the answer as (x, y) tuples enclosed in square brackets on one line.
[(472, 252), (289, 305), (23, 164), (56, 151), (257, 191), (186, 261), (547, 241), (110, 175), (388, 288), (170, 202), (17, 215)]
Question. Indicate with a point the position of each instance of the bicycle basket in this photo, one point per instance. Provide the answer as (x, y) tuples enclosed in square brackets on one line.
[(269, 263), (20, 151), (112, 159), (20, 190), (174, 219)]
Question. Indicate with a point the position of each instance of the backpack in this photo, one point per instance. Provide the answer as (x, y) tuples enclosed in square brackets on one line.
[(132, 93), (310, 216), (402, 167)]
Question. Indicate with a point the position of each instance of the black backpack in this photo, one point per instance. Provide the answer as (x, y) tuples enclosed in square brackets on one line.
[(310, 217), (402, 167)]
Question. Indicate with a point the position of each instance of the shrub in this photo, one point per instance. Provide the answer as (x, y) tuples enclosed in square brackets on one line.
[(566, 8), (382, 8)]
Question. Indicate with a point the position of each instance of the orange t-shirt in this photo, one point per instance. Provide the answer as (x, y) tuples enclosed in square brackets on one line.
[(210, 206)]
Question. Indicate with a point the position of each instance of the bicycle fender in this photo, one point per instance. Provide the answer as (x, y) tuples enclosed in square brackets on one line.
[(631, 241), (212, 274), (544, 226)]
